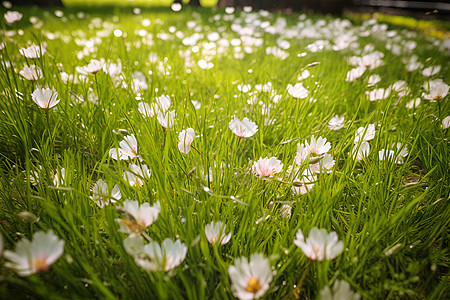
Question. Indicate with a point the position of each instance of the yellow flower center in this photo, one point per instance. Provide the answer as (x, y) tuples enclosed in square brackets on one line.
[(314, 151), (134, 225), (39, 265), (253, 285), (267, 171)]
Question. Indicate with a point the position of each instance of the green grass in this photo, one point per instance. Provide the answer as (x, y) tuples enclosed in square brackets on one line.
[(100, 3), (393, 218), (437, 28)]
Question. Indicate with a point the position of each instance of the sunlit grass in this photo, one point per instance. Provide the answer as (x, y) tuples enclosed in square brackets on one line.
[(437, 28), (144, 3)]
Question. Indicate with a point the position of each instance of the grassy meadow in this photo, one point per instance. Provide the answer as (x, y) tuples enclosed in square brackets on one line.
[(126, 132), (133, 3)]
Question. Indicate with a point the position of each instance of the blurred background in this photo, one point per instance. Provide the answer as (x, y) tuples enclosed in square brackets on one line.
[(418, 9)]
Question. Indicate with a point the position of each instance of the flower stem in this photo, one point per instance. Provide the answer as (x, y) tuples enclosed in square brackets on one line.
[(165, 137), (48, 119), (297, 290), (197, 150), (322, 273), (219, 259), (145, 235), (264, 192), (97, 86)]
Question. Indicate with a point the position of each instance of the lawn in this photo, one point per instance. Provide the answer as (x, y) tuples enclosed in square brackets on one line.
[(220, 154), (145, 3)]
